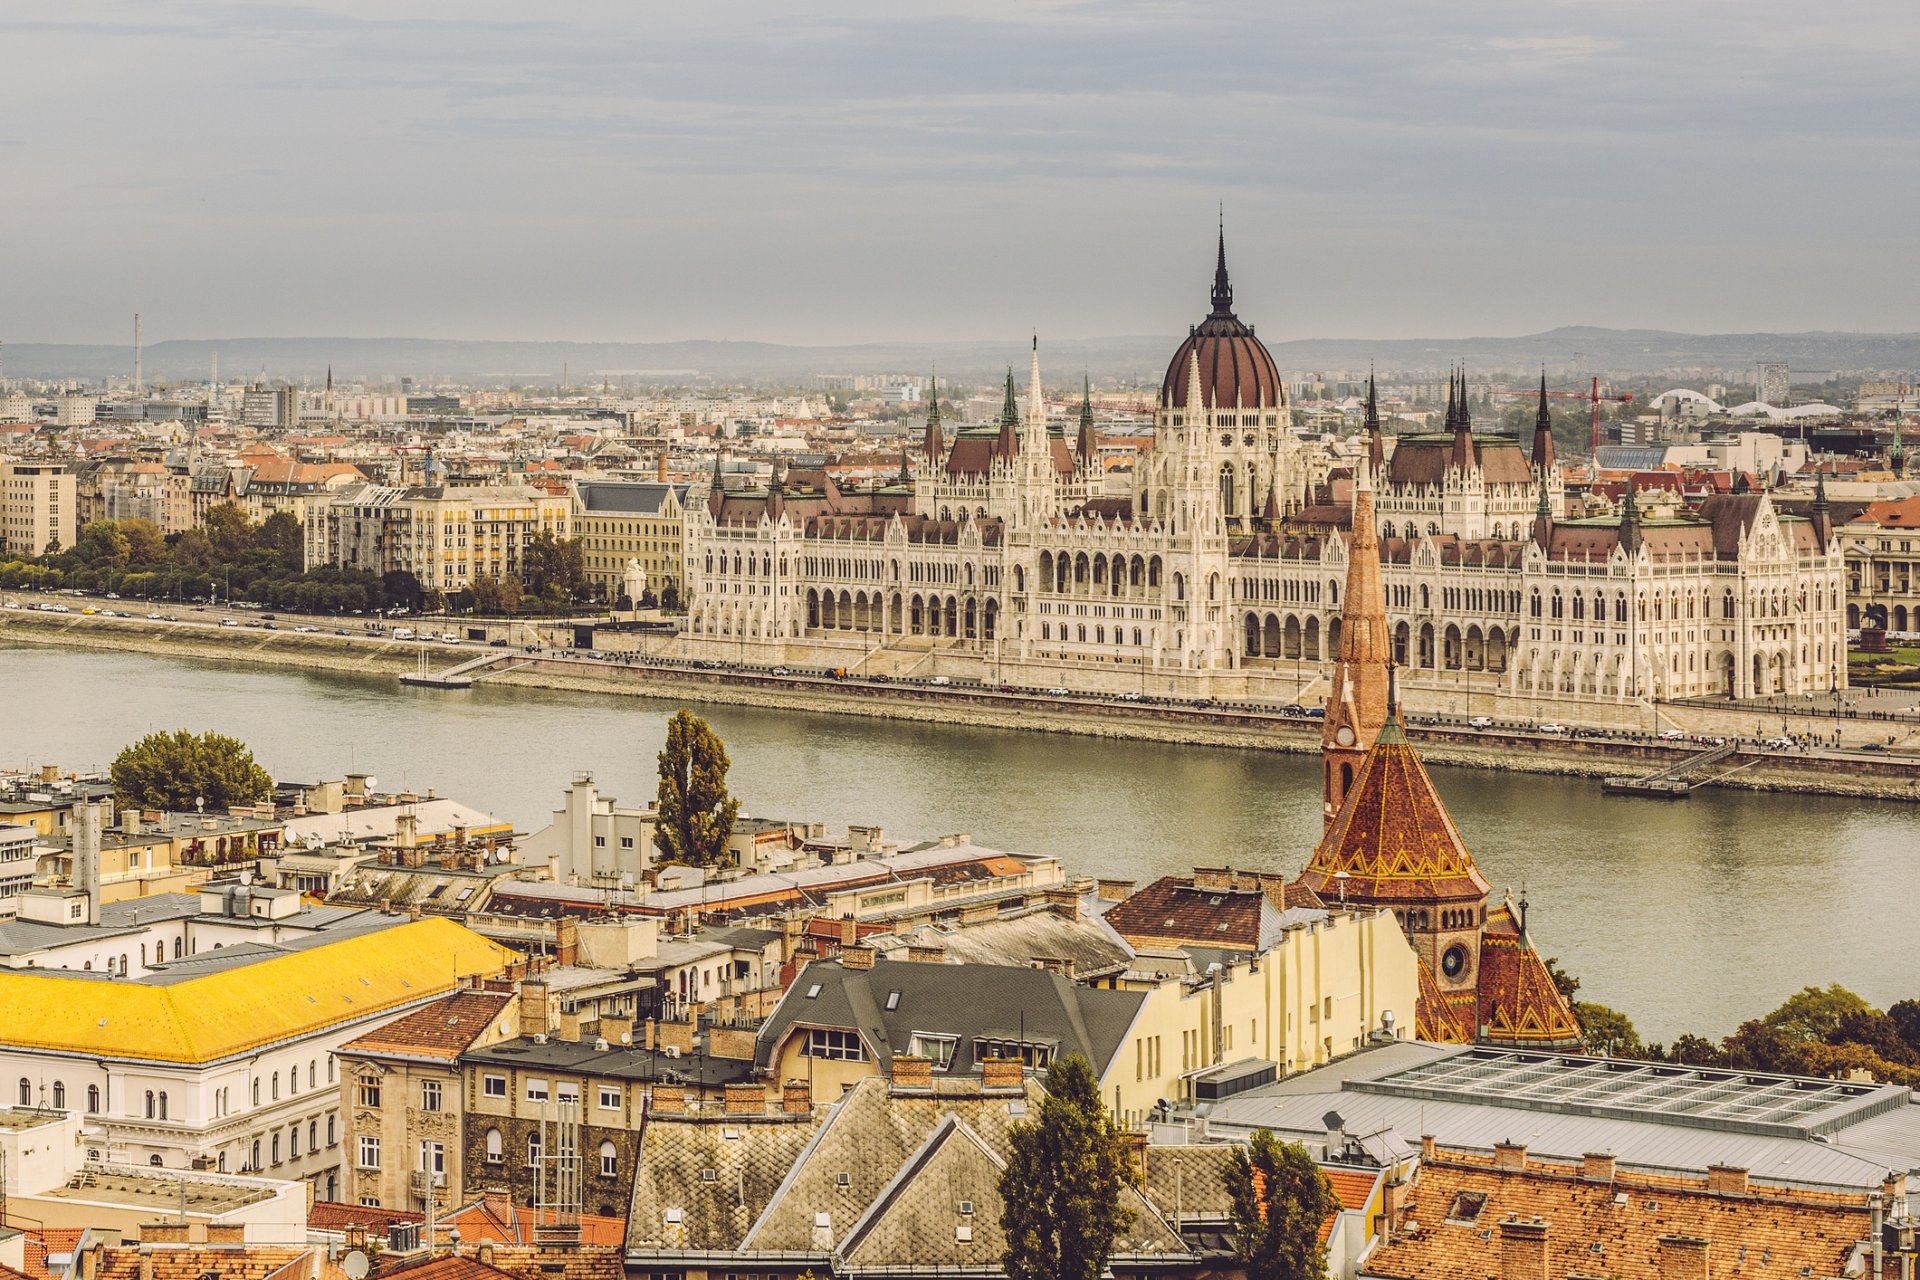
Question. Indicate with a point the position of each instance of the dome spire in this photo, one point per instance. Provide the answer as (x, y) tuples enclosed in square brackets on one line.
[(1222, 288)]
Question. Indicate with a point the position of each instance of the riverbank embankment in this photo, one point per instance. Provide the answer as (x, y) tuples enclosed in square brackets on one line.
[(1894, 776)]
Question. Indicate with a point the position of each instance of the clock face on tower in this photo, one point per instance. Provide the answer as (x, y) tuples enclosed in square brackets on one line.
[(1344, 735), (1454, 961)]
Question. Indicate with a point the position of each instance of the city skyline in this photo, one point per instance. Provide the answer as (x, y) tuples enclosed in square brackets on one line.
[(953, 173)]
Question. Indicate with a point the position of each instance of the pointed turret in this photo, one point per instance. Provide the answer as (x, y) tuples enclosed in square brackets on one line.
[(716, 493), (1009, 441), (1462, 456), (1630, 521), (1543, 435), (1084, 445), (1897, 460), (1543, 520), (1453, 409), (1822, 514), (934, 443), (1376, 445), (1357, 707)]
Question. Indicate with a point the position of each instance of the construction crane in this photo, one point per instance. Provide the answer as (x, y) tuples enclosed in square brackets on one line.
[(1591, 395)]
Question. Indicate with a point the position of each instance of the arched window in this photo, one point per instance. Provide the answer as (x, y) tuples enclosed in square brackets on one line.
[(26, 1092), (178, 944), (253, 1161), (163, 1104), (256, 1091), (93, 1099), (149, 1104), (533, 1149), (609, 1160), (59, 1095), (494, 1152)]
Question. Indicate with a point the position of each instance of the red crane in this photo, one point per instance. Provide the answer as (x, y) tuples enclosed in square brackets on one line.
[(1592, 395)]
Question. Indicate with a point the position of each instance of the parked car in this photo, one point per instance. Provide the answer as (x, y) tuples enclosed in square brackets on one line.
[(941, 680), (1672, 735), (1556, 730), (1056, 693), (1480, 722)]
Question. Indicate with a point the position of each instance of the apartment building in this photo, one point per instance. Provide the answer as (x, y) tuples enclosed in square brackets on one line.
[(444, 536), (38, 507), (1883, 566), (638, 521)]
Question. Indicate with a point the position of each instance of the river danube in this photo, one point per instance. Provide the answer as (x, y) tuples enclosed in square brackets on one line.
[(1687, 916)]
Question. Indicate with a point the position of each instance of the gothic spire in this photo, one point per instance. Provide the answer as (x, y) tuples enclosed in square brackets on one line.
[(1543, 436), (934, 442), (1453, 409), (1084, 445), (1357, 707), (1376, 446), (1543, 516), (1009, 411), (1630, 521), (1222, 288)]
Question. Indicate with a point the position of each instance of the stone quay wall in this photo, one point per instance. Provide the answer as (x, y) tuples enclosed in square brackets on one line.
[(1893, 776)]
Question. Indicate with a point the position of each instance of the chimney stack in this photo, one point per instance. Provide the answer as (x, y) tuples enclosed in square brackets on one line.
[(1683, 1258), (1509, 1155), (1726, 1180), (533, 1007), (1523, 1248), (1597, 1166), (86, 856), (566, 941)]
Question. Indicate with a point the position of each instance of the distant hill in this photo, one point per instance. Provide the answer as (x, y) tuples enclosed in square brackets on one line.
[(1616, 351)]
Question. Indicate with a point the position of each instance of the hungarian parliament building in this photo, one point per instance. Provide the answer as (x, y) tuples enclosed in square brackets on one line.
[(1007, 554)]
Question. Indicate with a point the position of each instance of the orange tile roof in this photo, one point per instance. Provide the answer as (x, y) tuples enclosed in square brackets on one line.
[(520, 1262), (229, 1262), (444, 1029), (49, 1240), (334, 1215), (496, 1218), (1590, 1232)]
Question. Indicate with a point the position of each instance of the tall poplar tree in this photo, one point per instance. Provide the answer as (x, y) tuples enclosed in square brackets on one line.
[(1060, 1193), (695, 818), (1278, 1201)]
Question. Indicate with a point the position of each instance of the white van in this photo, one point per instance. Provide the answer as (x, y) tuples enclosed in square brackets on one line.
[(403, 633)]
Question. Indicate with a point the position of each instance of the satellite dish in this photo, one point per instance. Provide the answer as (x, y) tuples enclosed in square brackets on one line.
[(372, 782), (355, 1264)]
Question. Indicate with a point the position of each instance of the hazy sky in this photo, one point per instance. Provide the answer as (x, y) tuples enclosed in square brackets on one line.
[(814, 171)]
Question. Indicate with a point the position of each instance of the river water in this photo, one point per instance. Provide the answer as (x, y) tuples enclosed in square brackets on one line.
[(1688, 916)]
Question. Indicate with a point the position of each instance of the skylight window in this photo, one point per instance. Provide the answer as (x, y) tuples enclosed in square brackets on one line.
[(813, 992), (893, 1001)]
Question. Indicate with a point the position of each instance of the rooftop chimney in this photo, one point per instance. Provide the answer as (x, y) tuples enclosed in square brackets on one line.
[(1597, 1166), (1509, 1155), (86, 856), (1726, 1180), (1683, 1258), (533, 1007), (1523, 1248)]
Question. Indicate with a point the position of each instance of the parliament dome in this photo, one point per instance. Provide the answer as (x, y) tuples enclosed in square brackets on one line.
[(1236, 369)]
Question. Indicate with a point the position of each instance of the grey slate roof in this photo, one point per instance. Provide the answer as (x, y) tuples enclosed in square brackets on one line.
[(629, 497), (962, 1000), (1039, 932), (1380, 1091)]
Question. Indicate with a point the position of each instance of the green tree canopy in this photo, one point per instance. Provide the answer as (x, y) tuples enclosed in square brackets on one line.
[(695, 818), (1607, 1030), (1060, 1192), (1814, 1014), (173, 770), (1279, 1200)]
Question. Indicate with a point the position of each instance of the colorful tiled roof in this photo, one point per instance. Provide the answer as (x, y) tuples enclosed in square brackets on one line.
[(1520, 1004), (1394, 838), (234, 1010)]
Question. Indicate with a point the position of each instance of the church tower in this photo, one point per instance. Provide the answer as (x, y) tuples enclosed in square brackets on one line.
[(1357, 709)]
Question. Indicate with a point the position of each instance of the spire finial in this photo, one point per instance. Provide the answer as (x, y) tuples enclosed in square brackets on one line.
[(1222, 288)]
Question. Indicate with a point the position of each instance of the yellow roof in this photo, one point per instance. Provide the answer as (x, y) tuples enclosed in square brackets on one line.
[(240, 1009)]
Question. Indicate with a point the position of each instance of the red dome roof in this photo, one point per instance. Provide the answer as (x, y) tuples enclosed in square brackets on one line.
[(1235, 367)]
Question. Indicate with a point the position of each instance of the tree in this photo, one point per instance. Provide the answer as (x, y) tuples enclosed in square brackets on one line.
[(281, 533), (1608, 1031), (228, 529), (1813, 1014), (145, 543), (1568, 984), (1760, 1046), (102, 543), (555, 568), (695, 818), (1060, 1192), (1279, 1200), (174, 770), (1695, 1051), (1906, 1020)]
